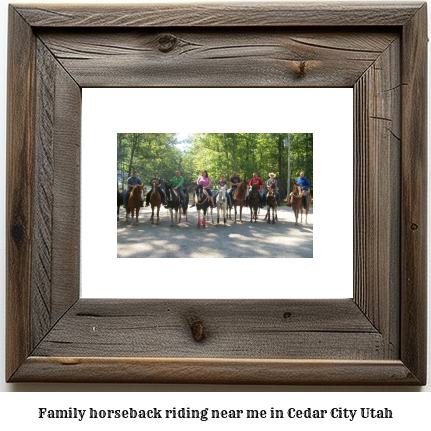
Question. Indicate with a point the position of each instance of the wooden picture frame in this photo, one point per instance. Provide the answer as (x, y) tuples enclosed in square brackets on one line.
[(378, 337)]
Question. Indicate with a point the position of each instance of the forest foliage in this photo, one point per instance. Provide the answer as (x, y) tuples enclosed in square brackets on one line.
[(218, 153)]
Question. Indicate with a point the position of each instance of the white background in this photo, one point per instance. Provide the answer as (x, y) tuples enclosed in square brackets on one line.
[(16, 409), (327, 113)]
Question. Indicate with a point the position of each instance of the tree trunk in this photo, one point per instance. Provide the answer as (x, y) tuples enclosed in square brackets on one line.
[(135, 140)]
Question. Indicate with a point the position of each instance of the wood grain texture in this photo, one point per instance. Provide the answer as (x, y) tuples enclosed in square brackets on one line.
[(215, 371), (414, 191), (378, 338), (211, 14), (228, 58), (20, 171), (234, 329), (66, 206), (377, 189), (43, 194), (55, 279)]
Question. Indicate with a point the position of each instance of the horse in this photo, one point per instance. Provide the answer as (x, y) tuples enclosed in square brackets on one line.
[(202, 203), (271, 203), (119, 203), (254, 202), (238, 197), (173, 199), (296, 201), (221, 204), (134, 203), (155, 200)]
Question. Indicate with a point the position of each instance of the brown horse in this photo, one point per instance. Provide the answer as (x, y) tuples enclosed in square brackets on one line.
[(134, 203), (155, 200), (271, 202), (238, 198), (254, 202), (296, 201)]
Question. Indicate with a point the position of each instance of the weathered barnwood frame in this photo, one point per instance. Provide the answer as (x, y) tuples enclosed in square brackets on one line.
[(378, 337)]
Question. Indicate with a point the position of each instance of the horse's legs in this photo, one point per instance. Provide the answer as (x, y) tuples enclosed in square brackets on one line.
[(212, 216), (204, 218), (172, 217), (199, 218), (218, 214), (301, 214), (158, 214)]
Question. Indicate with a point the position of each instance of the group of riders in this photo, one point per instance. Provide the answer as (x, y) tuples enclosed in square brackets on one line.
[(205, 181)]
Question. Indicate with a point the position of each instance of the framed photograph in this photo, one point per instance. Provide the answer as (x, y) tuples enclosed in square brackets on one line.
[(377, 337)]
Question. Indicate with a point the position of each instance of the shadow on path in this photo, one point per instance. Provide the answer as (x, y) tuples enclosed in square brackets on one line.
[(281, 240)]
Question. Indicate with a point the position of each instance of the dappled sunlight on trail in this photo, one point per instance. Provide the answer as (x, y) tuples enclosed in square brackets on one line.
[(241, 240)]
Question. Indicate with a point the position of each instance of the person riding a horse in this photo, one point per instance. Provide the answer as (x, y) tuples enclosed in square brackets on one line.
[(258, 181), (162, 193), (220, 184), (234, 180), (177, 183), (205, 181), (131, 182), (305, 185), (268, 184)]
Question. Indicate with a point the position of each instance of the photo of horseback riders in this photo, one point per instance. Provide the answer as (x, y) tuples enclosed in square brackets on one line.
[(178, 182)]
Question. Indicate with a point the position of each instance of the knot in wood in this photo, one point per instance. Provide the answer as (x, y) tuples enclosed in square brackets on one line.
[(197, 327), (414, 226), (300, 69), (167, 42), (18, 233)]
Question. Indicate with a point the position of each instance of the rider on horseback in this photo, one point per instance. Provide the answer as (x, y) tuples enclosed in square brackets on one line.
[(205, 181), (234, 180), (162, 193), (268, 184), (222, 183), (305, 185), (258, 181), (177, 183), (131, 182)]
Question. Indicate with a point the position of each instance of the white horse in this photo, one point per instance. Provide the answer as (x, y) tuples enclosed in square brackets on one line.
[(222, 204)]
